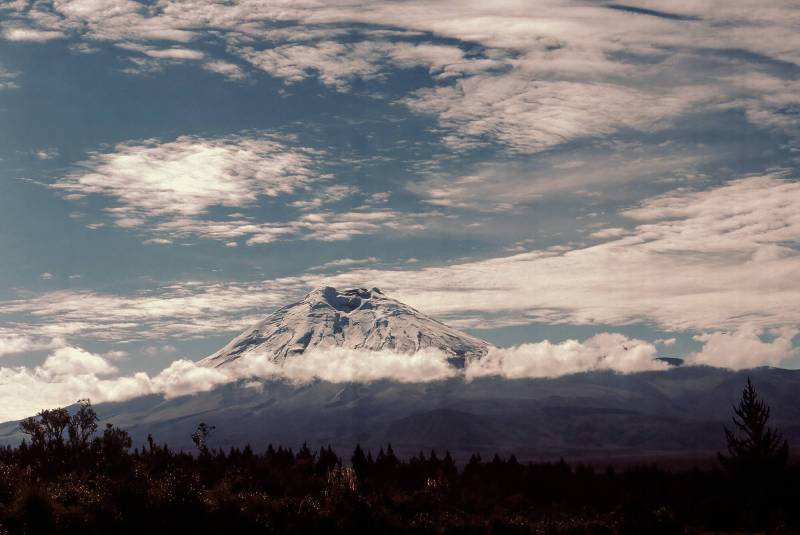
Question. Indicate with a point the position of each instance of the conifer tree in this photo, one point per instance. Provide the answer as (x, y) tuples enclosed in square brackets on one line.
[(359, 462), (755, 450)]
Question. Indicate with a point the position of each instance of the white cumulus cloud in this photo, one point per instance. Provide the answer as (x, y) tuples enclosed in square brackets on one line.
[(605, 351), (76, 361), (341, 365), (745, 347)]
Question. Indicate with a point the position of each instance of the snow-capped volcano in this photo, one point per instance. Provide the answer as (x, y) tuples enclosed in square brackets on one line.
[(355, 318)]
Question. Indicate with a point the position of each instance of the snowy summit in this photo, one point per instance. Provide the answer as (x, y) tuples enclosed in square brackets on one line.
[(356, 318)]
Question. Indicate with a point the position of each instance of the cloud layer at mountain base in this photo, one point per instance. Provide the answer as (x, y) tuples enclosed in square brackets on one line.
[(71, 373), (605, 351)]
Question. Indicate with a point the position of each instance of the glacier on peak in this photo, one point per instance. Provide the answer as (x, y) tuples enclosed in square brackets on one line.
[(354, 318)]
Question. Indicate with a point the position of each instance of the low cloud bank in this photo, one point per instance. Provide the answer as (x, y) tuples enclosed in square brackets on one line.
[(604, 351), (70, 373)]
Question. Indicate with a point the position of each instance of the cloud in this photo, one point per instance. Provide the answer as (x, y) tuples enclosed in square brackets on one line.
[(184, 377), (695, 260), (188, 176), (321, 225), (72, 373), (338, 64), (344, 262), (46, 276), (326, 195), (699, 260), (341, 365), (7, 79), (156, 58), (745, 348), (226, 69), (23, 33), (334, 62), (501, 73), (529, 115), (171, 186), (68, 374), (330, 226), (46, 154), (188, 310), (52, 390), (11, 343), (76, 361), (169, 189), (605, 351), (767, 100), (613, 232), (154, 351), (174, 53), (501, 186), (115, 355), (116, 20)]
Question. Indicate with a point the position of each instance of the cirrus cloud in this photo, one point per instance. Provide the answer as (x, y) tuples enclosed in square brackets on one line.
[(696, 260), (530, 115), (700, 260), (168, 188), (563, 71)]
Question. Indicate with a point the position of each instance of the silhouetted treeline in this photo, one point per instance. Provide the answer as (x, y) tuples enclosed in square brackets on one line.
[(68, 477)]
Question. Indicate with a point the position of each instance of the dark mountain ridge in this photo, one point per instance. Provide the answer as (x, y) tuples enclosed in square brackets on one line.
[(678, 411)]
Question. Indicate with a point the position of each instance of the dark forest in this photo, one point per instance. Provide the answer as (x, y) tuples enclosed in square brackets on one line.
[(68, 476)]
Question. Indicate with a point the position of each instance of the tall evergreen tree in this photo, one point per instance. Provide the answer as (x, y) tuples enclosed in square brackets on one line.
[(755, 450), (359, 462)]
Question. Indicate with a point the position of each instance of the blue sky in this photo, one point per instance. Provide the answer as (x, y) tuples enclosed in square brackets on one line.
[(172, 171)]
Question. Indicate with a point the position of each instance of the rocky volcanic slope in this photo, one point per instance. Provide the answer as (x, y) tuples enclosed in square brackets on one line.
[(355, 318)]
